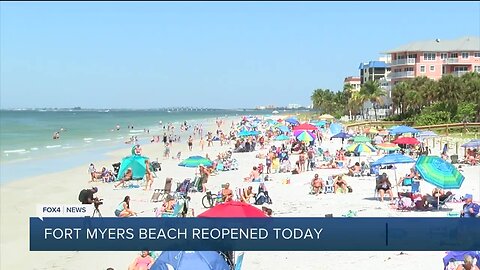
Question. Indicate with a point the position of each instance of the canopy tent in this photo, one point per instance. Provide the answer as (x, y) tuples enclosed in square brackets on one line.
[(136, 163)]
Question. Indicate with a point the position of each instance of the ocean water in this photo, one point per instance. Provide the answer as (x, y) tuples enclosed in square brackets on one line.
[(27, 145)]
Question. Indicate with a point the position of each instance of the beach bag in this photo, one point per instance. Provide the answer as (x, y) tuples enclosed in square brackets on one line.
[(260, 199), (350, 190)]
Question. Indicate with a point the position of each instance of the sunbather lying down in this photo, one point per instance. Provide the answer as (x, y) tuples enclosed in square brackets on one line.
[(438, 195), (330, 165)]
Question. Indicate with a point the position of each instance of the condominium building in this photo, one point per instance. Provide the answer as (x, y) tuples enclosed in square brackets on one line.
[(435, 58), (354, 81), (373, 71)]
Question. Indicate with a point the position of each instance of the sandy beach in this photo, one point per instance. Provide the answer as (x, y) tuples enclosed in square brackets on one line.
[(18, 202)]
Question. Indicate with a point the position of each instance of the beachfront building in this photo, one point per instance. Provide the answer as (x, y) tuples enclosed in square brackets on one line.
[(373, 71), (354, 81), (435, 58)]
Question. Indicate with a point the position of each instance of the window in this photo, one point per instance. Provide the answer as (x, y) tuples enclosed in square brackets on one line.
[(422, 69), (464, 55), (432, 68), (460, 69), (476, 69), (412, 56), (477, 54), (429, 56), (443, 56), (454, 55)]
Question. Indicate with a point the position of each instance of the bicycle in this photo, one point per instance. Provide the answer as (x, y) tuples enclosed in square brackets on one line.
[(209, 200)]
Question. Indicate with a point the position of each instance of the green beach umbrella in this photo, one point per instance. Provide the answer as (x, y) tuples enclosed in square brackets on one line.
[(361, 139), (282, 137), (439, 172), (195, 161), (361, 148)]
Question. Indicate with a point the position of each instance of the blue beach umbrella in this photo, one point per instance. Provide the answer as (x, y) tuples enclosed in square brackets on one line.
[(283, 128), (403, 129), (292, 121), (439, 172), (472, 144), (342, 135), (187, 260), (282, 137), (393, 159)]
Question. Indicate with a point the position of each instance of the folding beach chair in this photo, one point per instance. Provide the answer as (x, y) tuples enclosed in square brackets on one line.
[(162, 192), (176, 210), (239, 261), (156, 194)]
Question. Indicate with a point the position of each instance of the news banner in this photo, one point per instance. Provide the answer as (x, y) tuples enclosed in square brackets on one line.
[(74, 230)]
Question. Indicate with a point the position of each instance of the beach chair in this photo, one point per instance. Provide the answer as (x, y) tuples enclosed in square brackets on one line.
[(163, 192), (239, 261), (176, 210), (415, 187), (329, 183), (156, 195), (443, 203)]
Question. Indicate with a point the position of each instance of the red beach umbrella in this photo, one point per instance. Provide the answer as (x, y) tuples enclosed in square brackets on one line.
[(305, 126), (233, 209), (407, 140)]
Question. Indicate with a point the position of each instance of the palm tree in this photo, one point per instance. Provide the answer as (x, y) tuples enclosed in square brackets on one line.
[(399, 92), (450, 91), (472, 90), (372, 92)]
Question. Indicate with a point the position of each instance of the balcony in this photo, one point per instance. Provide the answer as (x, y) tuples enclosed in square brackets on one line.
[(450, 60), (403, 62), (401, 75), (459, 73)]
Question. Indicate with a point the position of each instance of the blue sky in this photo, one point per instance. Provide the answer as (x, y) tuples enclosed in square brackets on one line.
[(210, 54)]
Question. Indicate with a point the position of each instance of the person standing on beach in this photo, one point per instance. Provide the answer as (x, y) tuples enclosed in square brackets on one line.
[(190, 143), (202, 143)]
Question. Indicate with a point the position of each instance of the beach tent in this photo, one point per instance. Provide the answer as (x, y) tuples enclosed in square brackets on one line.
[(186, 260), (137, 163)]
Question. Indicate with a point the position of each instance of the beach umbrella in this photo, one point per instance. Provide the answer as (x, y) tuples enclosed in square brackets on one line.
[(292, 121), (195, 161), (342, 135), (283, 128), (387, 146), (233, 209), (406, 140), (403, 129), (427, 134), (472, 144), (136, 163), (186, 260), (282, 137), (439, 172), (321, 123), (383, 132), (361, 148), (372, 131), (305, 126), (335, 128), (393, 159), (326, 117), (361, 139), (305, 136)]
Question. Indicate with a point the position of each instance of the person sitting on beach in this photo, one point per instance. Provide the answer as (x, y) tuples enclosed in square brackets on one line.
[(93, 173), (142, 262), (355, 169), (247, 194), (332, 164), (408, 179), (227, 194), (384, 186), (267, 211), (123, 208), (340, 183), (469, 209), (254, 175), (167, 206), (468, 264), (126, 177), (317, 185)]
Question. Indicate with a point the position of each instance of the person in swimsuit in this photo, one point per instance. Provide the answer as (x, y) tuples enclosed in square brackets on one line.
[(190, 143), (127, 177), (123, 208), (317, 185), (142, 262), (384, 186)]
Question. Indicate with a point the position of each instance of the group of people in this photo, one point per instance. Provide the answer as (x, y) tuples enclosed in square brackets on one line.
[(339, 184)]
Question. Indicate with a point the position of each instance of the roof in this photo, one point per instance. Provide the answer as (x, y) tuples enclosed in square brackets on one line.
[(374, 64), (462, 44)]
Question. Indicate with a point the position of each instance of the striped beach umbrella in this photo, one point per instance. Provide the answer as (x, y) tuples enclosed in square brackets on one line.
[(305, 137), (361, 148), (387, 146), (439, 172), (195, 161)]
